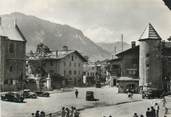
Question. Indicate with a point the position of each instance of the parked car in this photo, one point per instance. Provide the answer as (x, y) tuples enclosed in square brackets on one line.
[(98, 85), (42, 94), (28, 94), (12, 96), (152, 93), (89, 95)]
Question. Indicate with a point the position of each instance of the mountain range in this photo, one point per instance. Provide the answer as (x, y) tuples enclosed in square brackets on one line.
[(55, 36)]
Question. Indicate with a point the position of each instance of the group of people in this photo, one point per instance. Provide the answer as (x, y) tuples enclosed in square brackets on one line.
[(38, 114), (72, 112), (153, 111)]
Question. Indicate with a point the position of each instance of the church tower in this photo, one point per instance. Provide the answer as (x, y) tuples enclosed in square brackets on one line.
[(150, 63)]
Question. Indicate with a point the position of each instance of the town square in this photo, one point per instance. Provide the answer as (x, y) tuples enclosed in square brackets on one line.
[(89, 58)]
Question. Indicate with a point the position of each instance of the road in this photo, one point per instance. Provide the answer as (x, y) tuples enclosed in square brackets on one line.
[(110, 102), (106, 96)]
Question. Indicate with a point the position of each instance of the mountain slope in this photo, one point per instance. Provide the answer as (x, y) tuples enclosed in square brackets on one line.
[(55, 36), (110, 47)]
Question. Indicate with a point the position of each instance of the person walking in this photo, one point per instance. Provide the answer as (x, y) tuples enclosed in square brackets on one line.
[(156, 107), (76, 93), (63, 112), (32, 115), (152, 112), (164, 102), (67, 112), (148, 113), (135, 115), (42, 114), (37, 114)]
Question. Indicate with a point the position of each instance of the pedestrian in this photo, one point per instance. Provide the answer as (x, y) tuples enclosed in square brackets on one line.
[(148, 113), (63, 112), (37, 114), (156, 107), (67, 112), (76, 113), (135, 115), (32, 115), (152, 112), (76, 93), (42, 114), (50, 114), (164, 102), (72, 111)]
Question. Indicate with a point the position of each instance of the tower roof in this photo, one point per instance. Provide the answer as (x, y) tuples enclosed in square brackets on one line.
[(149, 33)]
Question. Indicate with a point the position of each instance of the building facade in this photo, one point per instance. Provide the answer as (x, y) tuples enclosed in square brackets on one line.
[(64, 66), (149, 62), (12, 55)]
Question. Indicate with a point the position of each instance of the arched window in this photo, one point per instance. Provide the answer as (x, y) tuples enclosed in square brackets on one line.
[(11, 48)]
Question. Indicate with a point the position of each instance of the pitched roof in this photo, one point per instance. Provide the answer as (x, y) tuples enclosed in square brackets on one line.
[(149, 33), (130, 50), (57, 55), (9, 28)]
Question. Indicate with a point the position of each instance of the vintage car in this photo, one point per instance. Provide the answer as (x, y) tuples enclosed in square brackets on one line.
[(12, 96), (98, 84), (152, 93), (89, 95), (28, 94), (42, 94)]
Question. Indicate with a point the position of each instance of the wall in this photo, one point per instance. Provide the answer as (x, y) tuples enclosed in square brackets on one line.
[(130, 61), (14, 63), (150, 64), (71, 67)]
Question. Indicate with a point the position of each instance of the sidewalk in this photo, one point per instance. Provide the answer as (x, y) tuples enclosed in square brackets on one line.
[(168, 105)]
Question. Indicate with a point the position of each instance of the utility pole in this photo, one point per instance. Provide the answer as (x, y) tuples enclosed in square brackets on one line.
[(122, 41)]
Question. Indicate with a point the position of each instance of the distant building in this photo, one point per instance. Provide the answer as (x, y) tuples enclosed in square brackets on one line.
[(148, 62), (65, 63), (12, 55), (90, 73)]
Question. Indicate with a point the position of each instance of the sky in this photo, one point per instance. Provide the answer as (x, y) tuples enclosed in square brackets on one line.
[(100, 20)]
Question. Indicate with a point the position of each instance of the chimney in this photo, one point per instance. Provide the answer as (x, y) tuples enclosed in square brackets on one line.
[(65, 48), (133, 44)]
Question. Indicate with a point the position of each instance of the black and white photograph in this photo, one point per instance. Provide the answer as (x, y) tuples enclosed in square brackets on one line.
[(85, 58)]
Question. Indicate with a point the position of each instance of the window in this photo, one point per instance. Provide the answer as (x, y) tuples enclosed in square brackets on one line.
[(147, 55), (70, 64), (64, 63), (64, 72), (75, 72), (5, 81), (51, 63), (11, 48), (11, 69), (147, 65), (70, 72), (79, 64), (72, 58), (74, 64)]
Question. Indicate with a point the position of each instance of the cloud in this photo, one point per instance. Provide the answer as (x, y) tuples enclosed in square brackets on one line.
[(101, 20)]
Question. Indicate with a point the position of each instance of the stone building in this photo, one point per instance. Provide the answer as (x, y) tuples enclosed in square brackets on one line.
[(149, 62), (150, 59), (12, 55), (90, 73), (64, 64)]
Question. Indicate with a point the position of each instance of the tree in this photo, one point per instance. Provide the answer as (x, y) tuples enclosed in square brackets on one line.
[(42, 49)]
